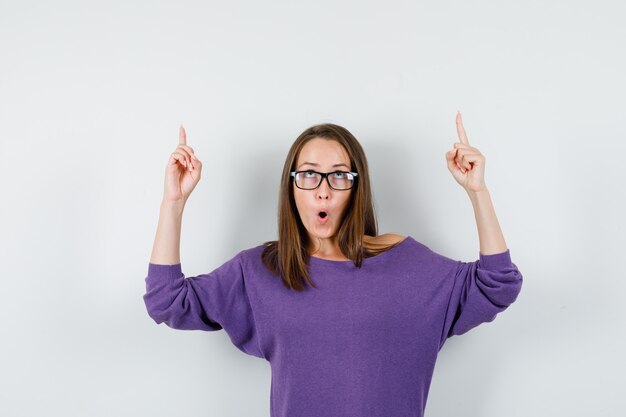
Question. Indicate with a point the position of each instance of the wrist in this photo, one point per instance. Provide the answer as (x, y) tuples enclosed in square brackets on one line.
[(478, 192), (173, 206)]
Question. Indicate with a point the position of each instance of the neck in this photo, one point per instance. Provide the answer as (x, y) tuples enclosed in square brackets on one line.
[(326, 248)]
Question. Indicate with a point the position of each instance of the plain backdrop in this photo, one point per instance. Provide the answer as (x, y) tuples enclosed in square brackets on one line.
[(91, 98)]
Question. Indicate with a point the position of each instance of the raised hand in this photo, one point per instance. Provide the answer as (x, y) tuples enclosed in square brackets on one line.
[(465, 162), (182, 172)]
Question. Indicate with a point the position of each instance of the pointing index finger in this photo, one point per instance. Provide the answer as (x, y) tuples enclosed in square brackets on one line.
[(182, 136), (460, 130)]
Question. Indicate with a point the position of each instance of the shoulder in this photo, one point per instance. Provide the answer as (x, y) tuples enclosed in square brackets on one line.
[(387, 239), (252, 253), (415, 249), (260, 257)]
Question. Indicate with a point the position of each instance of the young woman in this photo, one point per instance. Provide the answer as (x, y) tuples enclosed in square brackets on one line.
[(351, 322)]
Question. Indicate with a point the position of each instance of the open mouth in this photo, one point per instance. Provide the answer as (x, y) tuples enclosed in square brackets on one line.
[(322, 216)]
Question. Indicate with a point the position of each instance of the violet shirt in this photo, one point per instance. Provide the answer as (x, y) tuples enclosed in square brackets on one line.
[(363, 343)]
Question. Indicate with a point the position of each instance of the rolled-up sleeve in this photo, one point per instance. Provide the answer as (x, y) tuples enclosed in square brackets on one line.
[(480, 290), (213, 301)]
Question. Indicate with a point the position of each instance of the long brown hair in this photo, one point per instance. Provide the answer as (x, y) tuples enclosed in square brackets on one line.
[(288, 256)]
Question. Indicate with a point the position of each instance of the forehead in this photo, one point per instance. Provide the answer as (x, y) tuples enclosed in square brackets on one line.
[(325, 152)]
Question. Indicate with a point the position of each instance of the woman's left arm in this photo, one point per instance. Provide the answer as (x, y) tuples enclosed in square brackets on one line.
[(489, 232), (467, 166)]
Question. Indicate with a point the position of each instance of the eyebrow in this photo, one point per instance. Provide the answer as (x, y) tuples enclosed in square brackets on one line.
[(316, 165)]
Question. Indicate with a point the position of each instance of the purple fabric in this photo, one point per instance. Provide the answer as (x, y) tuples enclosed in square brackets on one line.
[(364, 343)]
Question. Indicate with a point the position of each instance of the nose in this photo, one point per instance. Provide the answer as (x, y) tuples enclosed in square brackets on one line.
[(323, 191)]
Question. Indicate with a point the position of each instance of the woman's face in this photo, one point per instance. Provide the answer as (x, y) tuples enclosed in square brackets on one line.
[(322, 155)]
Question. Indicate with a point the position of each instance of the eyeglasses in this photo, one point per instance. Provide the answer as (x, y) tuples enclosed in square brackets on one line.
[(337, 180)]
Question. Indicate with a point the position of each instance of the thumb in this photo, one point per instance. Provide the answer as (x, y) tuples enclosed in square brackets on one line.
[(450, 158)]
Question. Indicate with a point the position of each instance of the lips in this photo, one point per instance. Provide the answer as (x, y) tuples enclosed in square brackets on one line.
[(322, 216)]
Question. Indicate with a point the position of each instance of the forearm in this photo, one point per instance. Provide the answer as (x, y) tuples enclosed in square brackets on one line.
[(166, 248), (489, 232)]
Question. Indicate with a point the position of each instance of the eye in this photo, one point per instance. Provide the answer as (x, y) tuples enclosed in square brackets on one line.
[(310, 174), (339, 175)]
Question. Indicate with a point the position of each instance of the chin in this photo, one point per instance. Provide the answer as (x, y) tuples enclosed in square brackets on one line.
[(322, 234)]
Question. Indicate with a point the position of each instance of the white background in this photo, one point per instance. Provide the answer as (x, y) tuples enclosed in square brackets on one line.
[(91, 97)]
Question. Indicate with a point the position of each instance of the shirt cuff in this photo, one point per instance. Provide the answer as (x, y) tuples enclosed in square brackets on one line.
[(496, 261), (159, 270)]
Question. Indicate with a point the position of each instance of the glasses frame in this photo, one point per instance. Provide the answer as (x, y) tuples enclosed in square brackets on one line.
[(324, 175)]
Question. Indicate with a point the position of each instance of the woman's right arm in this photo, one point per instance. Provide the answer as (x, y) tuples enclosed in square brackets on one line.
[(213, 301), (182, 173), (166, 248)]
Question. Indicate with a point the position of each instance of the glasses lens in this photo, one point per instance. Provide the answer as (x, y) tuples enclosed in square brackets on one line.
[(341, 180), (308, 180)]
